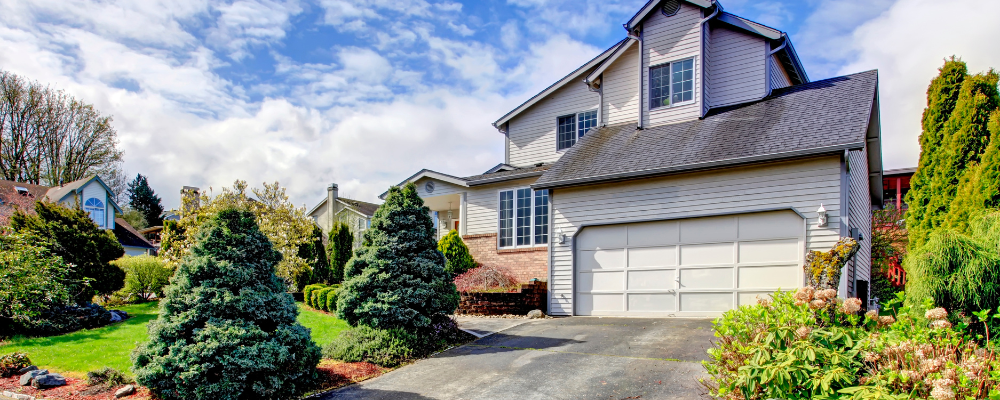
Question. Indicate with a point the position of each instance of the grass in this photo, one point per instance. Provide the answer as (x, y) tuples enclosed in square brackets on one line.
[(78, 352)]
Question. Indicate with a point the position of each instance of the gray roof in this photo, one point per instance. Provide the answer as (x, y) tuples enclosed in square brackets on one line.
[(506, 175), (813, 118)]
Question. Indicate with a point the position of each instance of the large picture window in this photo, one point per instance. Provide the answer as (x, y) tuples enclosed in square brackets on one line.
[(523, 218), (569, 128), (671, 84), (95, 208)]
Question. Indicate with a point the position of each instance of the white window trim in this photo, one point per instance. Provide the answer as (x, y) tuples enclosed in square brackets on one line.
[(576, 127), (694, 84), (531, 228)]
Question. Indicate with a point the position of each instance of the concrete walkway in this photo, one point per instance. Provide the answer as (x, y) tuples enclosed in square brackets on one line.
[(562, 358)]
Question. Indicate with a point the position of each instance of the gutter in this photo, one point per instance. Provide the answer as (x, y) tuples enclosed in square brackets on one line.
[(505, 178), (835, 149)]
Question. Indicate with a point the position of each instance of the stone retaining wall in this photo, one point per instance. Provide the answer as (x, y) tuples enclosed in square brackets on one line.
[(531, 296)]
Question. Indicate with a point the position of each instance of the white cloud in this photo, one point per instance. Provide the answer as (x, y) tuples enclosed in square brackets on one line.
[(243, 24)]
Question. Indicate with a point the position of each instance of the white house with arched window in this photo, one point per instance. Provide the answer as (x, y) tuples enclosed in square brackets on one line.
[(93, 196)]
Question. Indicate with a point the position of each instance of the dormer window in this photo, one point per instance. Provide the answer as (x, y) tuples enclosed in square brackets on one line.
[(95, 208), (671, 84), (572, 127)]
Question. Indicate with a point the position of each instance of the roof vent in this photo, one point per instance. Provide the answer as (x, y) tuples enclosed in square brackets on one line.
[(539, 164), (670, 7)]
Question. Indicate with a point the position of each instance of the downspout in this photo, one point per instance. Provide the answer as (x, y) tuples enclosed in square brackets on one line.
[(718, 7), (767, 61), (637, 35)]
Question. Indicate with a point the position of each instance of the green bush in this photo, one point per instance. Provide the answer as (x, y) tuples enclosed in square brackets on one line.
[(331, 299), (308, 291), (11, 363), (456, 254), (107, 377), (397, 278), (385, 347), (314, 253), (145, 276), (314, 297), (227, 327), (34, 282), (72, 235), (321, 296), (341, 246)]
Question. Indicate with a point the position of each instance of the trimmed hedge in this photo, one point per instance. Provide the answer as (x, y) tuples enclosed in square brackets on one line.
[(321, 297), (307, 293), (331, 300)]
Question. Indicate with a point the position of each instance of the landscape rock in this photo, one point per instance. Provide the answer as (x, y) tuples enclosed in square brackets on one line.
[(21, 396), (118, 315), (30, 375), (534, 314), (125, 391), (48, 381), (25, 370)]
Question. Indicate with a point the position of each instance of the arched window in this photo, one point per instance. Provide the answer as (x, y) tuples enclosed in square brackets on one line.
[(95, 207)]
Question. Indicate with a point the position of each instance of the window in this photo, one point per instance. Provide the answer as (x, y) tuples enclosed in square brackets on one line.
[(671, 83), (523, 218), (95, 208), (572, 127)]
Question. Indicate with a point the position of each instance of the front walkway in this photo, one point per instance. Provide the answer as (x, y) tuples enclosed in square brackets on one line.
[(561, 358)]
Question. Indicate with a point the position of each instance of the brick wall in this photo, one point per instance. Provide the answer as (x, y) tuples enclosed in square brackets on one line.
[(526, 264), (531, 296)]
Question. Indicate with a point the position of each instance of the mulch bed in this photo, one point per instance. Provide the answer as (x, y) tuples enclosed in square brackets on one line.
[(75, 389), (335, 374)]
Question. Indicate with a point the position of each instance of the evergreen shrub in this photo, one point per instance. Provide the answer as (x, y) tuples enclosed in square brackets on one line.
[(307, 293), (227, 327), (456, 254), (331, 299), (340, 249), (392, 347)]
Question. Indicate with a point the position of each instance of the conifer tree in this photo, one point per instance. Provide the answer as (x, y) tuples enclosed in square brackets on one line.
[(314, 253), (942, 94), (341, 246), (397, 278), (142, 198), (979, 187), (456, 253), (227, 329)]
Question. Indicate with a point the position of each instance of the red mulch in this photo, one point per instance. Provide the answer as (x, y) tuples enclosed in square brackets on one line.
[(71, 391), (334, 374)]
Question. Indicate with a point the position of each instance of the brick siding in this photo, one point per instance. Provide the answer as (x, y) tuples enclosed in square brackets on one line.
[(531, 296), (526, 263)]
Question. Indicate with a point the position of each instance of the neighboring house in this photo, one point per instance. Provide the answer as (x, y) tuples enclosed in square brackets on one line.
[(356, 214), (679, 173), (896, 184), (92, 195)]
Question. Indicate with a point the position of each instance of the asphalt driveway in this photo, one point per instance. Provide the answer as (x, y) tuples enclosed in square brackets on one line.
[(561, 358)]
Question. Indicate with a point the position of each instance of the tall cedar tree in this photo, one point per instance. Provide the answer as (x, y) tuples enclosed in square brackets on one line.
[(456, 253), (227, 329), (72, 235), (142, 198), (315, 254), (965, 139), (341, 247), (942, 94), (397, 278), (979, 188)]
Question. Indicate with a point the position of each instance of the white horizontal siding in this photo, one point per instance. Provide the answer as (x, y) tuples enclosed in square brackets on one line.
[(533, 132), (737, 67), (801, 184), (669, 39), (481, 201), (96, 191), (859, 213), (779, 77), (621, 90)]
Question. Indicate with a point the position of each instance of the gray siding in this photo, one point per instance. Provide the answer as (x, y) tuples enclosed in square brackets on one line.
[(533, 133), (481, 211), (669, 39), (778, 75), (621, 90), (859, 213), (802, 184), (737, 69)]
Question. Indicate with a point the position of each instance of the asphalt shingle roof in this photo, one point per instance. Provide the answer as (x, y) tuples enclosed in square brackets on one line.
[(128, 236), (361, 206), (803, 119), (508, 174)]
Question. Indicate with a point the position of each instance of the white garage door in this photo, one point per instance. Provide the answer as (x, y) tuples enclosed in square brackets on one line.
[(688, 267)]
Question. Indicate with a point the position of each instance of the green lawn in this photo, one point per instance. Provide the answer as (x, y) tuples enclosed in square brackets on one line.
[(78, 352)]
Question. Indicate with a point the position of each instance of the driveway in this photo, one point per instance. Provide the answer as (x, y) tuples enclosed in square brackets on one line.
[(560, 358)]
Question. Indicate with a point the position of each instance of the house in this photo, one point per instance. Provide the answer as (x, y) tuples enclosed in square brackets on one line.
[(896, 184), (92, 195), (355, 213), (681, 172)]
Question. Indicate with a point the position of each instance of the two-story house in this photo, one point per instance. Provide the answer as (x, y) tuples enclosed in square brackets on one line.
[(334, 208), (681, 172)]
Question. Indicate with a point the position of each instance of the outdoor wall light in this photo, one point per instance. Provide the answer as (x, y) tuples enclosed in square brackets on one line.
[(561, 236), (824, 220)]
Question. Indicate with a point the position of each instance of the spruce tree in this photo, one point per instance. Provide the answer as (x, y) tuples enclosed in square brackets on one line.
[(142, 198), (397, 278), (227, 329), (456, 253), (942, 94), (341, 246)]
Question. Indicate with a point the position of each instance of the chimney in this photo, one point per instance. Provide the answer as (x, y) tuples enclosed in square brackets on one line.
[(332, 193)]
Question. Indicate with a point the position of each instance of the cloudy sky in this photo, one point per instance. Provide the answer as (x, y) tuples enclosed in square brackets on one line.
[(365, 93)]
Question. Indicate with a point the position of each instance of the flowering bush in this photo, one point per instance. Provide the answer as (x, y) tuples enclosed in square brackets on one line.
[(812, 345), (487, 278)]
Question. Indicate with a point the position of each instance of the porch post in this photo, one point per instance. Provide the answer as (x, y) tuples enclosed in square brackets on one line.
[(463, 213)]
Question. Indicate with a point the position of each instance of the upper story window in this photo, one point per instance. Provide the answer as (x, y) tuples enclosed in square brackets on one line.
[(523, 218), (671, 83), (572, 127), (95, 208)]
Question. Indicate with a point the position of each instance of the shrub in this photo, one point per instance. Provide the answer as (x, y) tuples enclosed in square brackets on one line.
[(321, 297), (341, 246), (13, 362), (227, 327), (107, 377), (397, 278), (71, 317), (314, 297), (307, 293), (331, 299), (385, 347), (145, 276), (456, 254), (72, 235), (486, 278), (34, 282), (314, 253)]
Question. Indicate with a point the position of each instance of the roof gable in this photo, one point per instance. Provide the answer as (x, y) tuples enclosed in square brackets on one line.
[(60, 193)]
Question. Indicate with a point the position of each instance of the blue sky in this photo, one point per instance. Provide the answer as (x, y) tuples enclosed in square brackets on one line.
[(365, 93)]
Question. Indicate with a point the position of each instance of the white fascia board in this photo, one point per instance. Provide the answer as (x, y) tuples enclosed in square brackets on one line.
[(610, 60), (426, 173), (749, 26), (314, 209), (555, 86), (651, 5)]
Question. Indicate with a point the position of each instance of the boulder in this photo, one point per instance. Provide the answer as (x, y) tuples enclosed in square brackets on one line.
[(48, 381), (25, 370), (118, 315), (128, 390), (534, 314), (30, 375)]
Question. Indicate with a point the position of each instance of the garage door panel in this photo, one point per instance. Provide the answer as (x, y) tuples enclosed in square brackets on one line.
[(707, 278), (770, 251), (601, 260), (714, 229), (770, 225), (706, 302), (651, 280), (707, 254), (653, 234), (652, 257), (750, 298), (601, 281), (589, 303), (770, 277), (602, 237), (652, 302)]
